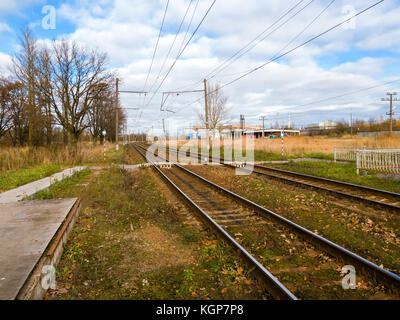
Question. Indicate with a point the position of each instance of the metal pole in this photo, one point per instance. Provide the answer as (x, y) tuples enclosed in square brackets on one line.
[(351, 124), (391, 99), (263, 118), (116, 113), (391, 113), (206, 111)]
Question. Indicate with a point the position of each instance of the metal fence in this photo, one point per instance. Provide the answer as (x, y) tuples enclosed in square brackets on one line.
[(383, 160)]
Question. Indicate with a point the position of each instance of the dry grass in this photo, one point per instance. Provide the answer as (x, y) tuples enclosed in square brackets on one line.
[(15, 158), (305, 145)]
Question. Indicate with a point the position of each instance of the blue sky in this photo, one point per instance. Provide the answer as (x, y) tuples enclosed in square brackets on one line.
[(344, 60)]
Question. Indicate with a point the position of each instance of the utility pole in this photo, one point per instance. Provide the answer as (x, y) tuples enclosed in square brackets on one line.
[(351, 124), (391, 99), (263, 118), (207, 112), (116, 113), (289, 122), (205, 103), (117, 91)]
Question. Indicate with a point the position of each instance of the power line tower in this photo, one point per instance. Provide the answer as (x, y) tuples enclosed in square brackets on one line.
[(391, 99), (117, 92), (263, 118)]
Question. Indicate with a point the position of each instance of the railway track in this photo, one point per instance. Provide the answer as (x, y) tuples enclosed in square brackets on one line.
[(378, 198), (290, 258)]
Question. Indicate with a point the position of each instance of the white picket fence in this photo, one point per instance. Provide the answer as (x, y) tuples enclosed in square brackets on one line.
[(383, 160), (345, 153)]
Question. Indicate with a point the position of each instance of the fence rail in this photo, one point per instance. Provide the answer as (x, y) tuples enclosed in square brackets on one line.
[(383, 160), (378, 160), (345, 153)]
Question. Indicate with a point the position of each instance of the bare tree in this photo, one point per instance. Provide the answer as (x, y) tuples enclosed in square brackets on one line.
[(217, 111), (101, 114), (5, 105), (13, 110), (43, 85), (75, 76), (24, 67)]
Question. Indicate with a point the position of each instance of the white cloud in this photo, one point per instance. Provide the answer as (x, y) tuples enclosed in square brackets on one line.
[(4, 27), (127, 30), (13, 6), (5, 62)]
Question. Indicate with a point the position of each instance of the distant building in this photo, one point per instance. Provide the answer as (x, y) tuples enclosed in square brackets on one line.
[(227, 131), (324, 125)]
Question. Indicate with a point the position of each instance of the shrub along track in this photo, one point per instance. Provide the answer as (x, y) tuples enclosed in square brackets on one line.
[(304, 262)]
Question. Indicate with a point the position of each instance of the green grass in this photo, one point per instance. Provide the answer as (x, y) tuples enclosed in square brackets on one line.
[(126, 243), (315, 211), (65, 188), (343, 172), (14, 178)]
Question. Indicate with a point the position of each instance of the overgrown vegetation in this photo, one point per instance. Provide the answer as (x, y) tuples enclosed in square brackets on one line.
[(368, 232), (343, 172), (131, 243), (319, 147), (67, 188), (14, 178)]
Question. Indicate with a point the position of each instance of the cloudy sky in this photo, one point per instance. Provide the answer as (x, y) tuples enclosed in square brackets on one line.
[(345, 71)]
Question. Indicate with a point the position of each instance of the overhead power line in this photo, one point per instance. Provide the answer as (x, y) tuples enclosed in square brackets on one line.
[(255, 39), (295, 48), (189, 25), (303, 44), (290, 42), (172, 45), (180, 53), (156, 47), (349, 93)]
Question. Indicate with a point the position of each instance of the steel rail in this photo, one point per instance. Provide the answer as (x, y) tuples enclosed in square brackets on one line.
[(378, 192), (356, 187), (272, 284), (390, 279)]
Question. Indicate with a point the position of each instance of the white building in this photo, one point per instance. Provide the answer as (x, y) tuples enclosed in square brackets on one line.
[(324, 125)]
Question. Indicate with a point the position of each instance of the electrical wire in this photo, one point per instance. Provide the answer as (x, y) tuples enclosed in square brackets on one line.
[(180, 53), (156, 47), (172, 45)]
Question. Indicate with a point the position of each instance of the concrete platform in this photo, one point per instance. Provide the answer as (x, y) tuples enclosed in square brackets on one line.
[(30, 189), (26, 230)]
